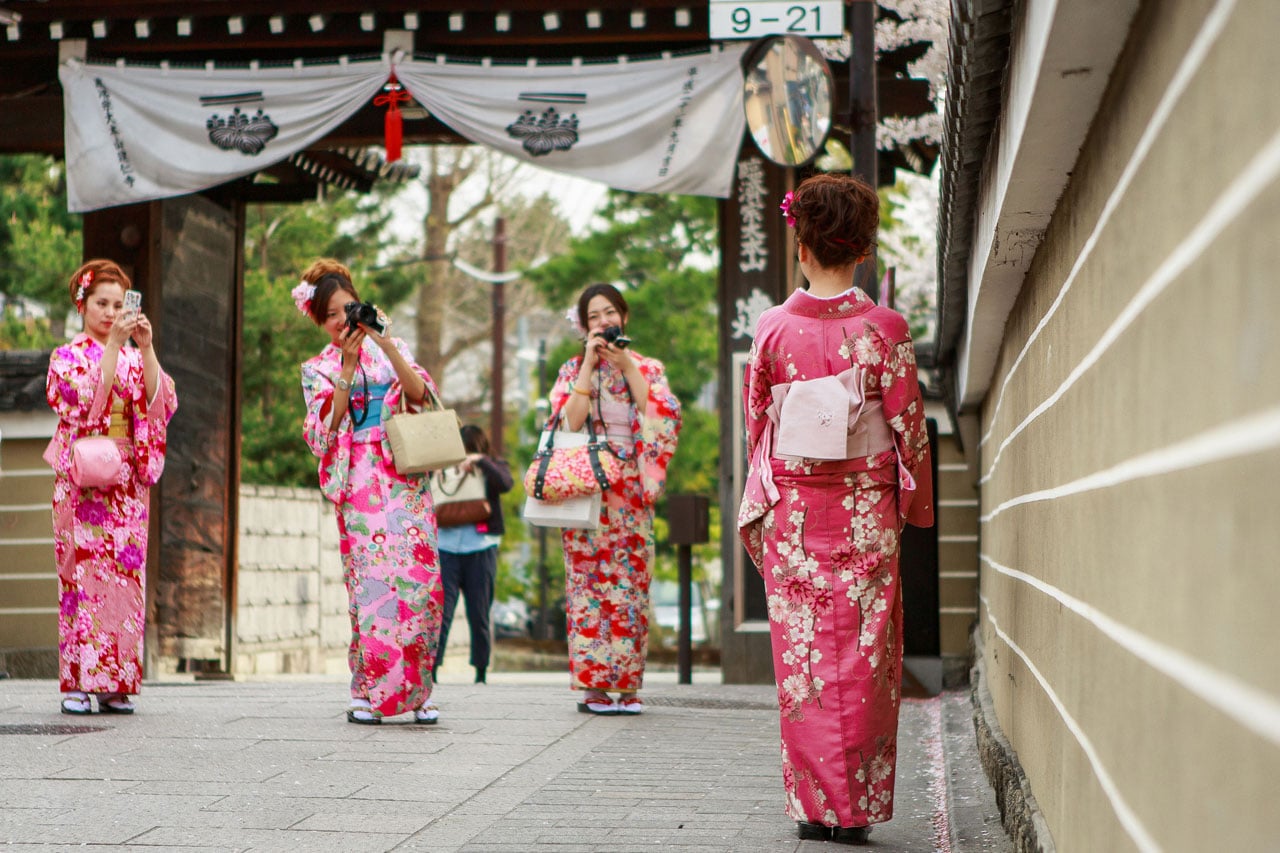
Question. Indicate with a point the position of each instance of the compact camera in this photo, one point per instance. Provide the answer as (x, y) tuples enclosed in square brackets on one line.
[(362, 313), (613, 335)]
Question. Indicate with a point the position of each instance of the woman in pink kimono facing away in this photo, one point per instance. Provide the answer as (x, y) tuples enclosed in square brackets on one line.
[(608, 570), (839, 460), (386, 522), (99, 386)]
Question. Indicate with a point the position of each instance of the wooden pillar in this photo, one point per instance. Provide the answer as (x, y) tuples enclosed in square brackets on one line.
[(758, 271)]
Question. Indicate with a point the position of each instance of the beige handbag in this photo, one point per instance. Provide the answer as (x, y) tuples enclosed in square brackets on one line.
[(424, 441)]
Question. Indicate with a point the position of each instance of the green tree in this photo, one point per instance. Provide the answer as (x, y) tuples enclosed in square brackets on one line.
[(40, 246)]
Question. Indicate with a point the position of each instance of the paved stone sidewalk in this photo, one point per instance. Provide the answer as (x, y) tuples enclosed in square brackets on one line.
[(512, 766)]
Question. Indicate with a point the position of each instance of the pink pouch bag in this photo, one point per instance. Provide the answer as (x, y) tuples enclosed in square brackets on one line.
[(96, 462)]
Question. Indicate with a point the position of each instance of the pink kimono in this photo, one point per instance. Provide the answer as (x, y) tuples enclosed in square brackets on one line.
[(608, 570), (824, 535), (100, 535), (387, 527)]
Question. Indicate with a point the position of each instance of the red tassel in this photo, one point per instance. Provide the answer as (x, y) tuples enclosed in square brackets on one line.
[(394, 132), (393, 127)]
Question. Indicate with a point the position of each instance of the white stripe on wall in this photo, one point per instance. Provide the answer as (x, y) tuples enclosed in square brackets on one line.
[(1256, 177), (1252, 708), (39, 540), (1245, 436), (27, 611), (30, 576), (1213, 25), (25, 507), (1128, 819)]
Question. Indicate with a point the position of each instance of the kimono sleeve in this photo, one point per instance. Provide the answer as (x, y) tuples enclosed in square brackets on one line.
[(75, 390), (151, 426), (564, 381), (333, 447), (904, 410), (659, 429)]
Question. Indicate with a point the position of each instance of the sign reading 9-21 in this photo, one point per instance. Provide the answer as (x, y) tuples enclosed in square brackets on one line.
[(749, 19)]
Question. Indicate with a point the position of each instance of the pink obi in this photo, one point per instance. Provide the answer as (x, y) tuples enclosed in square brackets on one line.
[(617, 423), (821, 419)]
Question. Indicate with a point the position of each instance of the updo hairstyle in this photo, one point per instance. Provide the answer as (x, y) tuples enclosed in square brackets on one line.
[(837, 217), (103, 272), (328, 276)]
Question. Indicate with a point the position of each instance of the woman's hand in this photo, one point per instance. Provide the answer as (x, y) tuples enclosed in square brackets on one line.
[(469, 464), (351, 340), (616, 356), (384, 340), (123, 328), (142, 333)]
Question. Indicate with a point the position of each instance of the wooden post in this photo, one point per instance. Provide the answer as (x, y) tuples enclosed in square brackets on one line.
[(499, 334)]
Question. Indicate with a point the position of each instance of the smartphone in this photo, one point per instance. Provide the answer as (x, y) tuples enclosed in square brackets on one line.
[(132, 301)]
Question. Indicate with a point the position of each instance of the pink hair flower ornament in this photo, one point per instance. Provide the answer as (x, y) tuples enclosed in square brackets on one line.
[(85, 281), (572, 316), (302, 295), (785, 207)]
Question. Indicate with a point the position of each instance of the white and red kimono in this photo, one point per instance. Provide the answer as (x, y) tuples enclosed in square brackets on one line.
[(608, 570), (824, 535), (100, 535)]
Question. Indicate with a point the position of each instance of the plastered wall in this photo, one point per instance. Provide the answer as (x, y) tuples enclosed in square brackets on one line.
[(1130, 462)]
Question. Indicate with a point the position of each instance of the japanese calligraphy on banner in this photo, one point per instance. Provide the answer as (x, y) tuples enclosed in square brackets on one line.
[(136, 133)]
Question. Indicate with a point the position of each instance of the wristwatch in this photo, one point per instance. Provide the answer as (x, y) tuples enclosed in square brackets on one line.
[(342, 383)]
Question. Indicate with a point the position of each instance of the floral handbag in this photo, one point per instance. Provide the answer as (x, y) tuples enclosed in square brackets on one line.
[(571, 464)]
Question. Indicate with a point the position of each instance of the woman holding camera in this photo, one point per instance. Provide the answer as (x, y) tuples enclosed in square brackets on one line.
[(98, 386), (385, 519), (608, 570)]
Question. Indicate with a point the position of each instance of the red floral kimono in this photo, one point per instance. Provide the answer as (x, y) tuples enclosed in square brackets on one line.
[(100, 535), (608, 570), (387, 528), (824, 535)]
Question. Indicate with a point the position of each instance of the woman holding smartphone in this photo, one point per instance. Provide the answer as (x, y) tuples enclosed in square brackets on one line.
[(100, 387)]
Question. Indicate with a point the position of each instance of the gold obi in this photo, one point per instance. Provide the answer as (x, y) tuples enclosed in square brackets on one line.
[(119, 426)]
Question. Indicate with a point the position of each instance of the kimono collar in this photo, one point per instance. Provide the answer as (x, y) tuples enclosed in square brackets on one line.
[(805, 304)]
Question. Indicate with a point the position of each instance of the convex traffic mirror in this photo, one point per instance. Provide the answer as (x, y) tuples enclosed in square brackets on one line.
[(788, 99)]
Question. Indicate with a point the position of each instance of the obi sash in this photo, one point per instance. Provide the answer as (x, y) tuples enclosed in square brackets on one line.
[(119, 427), (820, 419), (372, 405)]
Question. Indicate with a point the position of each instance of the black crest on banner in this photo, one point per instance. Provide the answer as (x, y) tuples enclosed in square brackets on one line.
[(542, 134), (248, 134)]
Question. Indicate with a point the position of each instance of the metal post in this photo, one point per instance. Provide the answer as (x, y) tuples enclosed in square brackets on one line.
[(543, 627), (684, 640), (499, 334), (864, 115)]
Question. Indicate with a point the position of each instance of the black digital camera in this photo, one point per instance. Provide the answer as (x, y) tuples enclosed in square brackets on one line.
[(613, 335), (362, 313)]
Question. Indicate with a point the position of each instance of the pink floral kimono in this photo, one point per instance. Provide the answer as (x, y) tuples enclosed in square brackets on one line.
[(608, 570), (825, 537), (100, 535), (387, 528)]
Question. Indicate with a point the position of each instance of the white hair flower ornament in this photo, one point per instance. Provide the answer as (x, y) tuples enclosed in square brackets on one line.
[(85, 281), (572, 316), (302, 296)]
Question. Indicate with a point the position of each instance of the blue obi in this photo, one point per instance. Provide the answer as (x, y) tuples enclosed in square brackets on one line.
[(360, 404)]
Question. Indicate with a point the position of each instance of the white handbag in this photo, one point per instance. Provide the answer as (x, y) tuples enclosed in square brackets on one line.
[(575, 513)]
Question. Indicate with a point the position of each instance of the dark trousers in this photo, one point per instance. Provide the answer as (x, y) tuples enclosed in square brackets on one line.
[(473, 575)]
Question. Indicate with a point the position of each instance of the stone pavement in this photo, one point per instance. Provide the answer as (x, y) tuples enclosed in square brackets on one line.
[(274, 766)]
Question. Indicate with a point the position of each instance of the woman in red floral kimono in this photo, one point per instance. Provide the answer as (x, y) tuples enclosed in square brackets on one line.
[(99, 386), (833, 476), (608, 570), (386, 521)]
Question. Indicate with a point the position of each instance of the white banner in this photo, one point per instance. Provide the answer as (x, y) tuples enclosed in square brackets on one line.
[(137, 133), (656, 125)]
